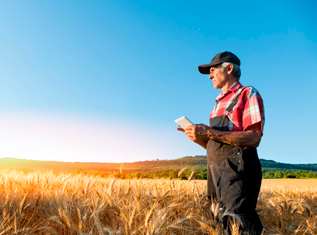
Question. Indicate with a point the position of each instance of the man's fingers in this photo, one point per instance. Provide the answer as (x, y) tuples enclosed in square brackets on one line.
[(180, 129)]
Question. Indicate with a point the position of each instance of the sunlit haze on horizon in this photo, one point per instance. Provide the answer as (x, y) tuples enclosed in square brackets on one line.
[(103, 81), (73, 139)]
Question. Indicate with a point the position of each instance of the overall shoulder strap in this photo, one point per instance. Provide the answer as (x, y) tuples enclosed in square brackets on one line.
[(234, 102)]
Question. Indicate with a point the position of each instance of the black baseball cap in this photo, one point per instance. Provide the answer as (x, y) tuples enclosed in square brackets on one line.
[(221, 57)]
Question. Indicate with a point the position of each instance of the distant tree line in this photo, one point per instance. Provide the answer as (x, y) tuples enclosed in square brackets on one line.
[(198, 175), (301, 174)]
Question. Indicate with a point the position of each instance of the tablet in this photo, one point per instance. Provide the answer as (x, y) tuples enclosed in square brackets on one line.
[(183, 122)]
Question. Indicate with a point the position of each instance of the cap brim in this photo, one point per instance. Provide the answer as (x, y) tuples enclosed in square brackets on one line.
[(205, 68)]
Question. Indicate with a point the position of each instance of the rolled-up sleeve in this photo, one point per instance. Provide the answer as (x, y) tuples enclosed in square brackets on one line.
[(253, 110)]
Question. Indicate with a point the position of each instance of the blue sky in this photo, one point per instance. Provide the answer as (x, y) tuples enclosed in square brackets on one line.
[(103, 81)]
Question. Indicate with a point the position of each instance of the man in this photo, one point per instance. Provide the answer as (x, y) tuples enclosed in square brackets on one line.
[(235, 130)]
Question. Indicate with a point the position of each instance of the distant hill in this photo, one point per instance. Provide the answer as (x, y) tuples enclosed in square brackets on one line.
[(270, 165), (195, 163)]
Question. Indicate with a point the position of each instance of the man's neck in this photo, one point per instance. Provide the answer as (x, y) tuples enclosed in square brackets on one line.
[(229, 84)]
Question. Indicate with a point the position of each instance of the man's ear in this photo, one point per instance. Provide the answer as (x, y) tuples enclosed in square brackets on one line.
[(230, 68)]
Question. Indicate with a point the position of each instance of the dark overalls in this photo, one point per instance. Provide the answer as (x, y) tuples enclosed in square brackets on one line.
[(234, 177)]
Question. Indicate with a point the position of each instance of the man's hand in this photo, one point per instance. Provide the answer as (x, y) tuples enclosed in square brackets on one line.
[(196, 133)]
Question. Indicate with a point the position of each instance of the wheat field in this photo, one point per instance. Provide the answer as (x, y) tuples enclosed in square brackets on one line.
[(48, 203)]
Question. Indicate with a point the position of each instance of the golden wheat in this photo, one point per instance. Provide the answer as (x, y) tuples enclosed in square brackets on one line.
[(65, 203)]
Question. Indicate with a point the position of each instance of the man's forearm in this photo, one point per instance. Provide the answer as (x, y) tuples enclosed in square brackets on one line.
[(236, 138), (201, 134), (202, 142)]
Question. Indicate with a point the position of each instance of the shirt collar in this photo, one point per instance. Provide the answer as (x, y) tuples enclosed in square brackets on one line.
[(233, 88)]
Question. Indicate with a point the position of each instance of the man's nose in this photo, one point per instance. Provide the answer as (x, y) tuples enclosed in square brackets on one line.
[(211, 76)]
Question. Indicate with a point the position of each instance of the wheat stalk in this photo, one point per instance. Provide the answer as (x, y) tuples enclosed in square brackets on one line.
[(149, 215), (111, 185), (138, 204), (132, 217), (22, 204), (80, 225), (191, 176), (128, 190), (123, 214), (98, 224), (121, 169), (181, 171)]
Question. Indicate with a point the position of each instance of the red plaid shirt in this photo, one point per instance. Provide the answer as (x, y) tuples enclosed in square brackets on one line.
[(248, 110)]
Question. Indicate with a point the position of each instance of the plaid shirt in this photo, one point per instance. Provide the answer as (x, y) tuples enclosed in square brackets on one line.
[(248, 110)]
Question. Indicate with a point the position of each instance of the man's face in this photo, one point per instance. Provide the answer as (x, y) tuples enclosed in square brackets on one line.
[(219, 78)]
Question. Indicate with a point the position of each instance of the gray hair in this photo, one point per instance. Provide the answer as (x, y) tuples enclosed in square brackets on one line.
[(236, 69)]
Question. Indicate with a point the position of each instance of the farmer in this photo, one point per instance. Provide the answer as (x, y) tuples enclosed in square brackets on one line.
[(235, 130)]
